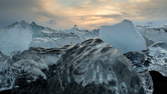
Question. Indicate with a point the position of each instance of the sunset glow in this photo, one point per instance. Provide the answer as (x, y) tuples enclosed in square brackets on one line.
[(90, 13)]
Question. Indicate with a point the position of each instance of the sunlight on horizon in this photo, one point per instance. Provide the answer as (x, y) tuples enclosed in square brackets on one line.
[(93, 13), (84, 13)]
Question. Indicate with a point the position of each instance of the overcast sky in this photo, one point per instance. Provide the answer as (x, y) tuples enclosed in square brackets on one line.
[(85, 13)]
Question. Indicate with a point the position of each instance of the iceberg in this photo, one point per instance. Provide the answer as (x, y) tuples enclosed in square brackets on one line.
[(158, 57), (20, 36), (152, 32), (90, 66), (94, 66), (123, 36)]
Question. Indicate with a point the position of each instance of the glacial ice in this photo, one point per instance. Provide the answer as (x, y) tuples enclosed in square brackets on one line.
[(158, 55), (152, 32), (46, 42), (90, 64), (7, 77), (14, 39), (152, 59), (123, 36), (39, 56), (139, 64), (101, 67), (84, 34), (27, 66), (22, 35)]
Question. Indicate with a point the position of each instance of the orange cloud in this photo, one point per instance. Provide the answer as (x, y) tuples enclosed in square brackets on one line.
[(75, 14), (86, 13), (139, 1)]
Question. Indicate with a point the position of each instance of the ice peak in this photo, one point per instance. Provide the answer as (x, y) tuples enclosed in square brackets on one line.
[(75, 27), (126, 24), (33, 23), (21, 23), (127, 21)]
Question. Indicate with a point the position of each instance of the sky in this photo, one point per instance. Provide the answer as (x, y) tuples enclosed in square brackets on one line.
[(84, 13)]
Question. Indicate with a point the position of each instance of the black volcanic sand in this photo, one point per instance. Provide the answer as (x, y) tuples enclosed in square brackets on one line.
[(160, 83)]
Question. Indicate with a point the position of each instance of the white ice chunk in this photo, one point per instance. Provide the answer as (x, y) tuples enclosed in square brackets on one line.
[(15, 39), (123, 36)]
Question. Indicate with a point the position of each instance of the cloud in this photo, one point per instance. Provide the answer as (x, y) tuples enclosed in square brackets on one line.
[(88, 12), (85, 13), (12, 10)]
